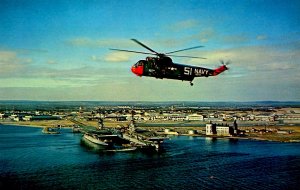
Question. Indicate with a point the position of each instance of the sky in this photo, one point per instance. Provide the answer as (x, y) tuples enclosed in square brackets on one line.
[(60, 50)]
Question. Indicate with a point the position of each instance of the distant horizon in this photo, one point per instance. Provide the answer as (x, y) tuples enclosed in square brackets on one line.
[(91, 105), (150, 101)]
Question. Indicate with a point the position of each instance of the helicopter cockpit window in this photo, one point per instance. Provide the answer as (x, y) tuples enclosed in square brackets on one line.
[(140, 63)]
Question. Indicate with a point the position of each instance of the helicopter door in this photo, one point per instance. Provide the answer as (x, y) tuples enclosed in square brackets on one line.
[(150, 67)]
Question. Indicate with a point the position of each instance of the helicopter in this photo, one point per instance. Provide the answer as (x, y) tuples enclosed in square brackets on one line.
[(162, 66)]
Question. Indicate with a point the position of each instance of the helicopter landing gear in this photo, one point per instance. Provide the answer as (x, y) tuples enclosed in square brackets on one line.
[(191, 83)]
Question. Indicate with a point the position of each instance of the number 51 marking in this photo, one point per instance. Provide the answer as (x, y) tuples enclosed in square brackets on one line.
[(188, 71)]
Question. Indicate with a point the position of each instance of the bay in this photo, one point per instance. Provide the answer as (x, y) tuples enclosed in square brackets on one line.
[(30, 159)]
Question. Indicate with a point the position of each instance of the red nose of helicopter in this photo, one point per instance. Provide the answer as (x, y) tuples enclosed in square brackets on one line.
[(138, 70)]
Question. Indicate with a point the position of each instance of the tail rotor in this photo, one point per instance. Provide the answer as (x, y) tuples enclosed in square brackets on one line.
[(225, 63)]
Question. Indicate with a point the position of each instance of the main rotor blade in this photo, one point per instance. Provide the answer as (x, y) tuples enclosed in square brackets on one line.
[(140, 43), (187, 56), (132, 51), (184, 49)]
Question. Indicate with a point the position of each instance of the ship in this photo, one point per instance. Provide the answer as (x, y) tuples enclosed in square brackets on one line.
[(104, 137), (129, 139), (104, 140), (142, 138), (51, 130)]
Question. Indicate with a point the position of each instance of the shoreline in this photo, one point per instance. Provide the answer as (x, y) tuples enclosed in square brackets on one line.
[(38, 124), (256, 138), (275, 137), (21, 125)]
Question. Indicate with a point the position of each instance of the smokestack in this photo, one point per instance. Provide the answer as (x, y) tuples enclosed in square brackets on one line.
[(235, 126)]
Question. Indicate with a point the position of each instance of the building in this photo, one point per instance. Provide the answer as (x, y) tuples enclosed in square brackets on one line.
[(170, 132), (27, 117), (224, 130), (173, 117), (192, 132), (213, 119), (116, 118), (195, 117), (40, 117), (213, 129), (288, 118), (264, 117), (149, 116)]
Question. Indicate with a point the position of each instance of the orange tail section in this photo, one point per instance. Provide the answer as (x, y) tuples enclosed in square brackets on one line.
[(220, 70)]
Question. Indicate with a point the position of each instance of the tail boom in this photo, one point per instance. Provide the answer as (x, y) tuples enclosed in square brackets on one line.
[(219, 70)]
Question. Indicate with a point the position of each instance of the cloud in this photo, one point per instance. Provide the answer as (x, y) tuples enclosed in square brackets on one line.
[(272, 62), (80, 42), (254, 69), (116, 57), (184, 25), (96, 58), (204, 35), (257, 72), (234, 39), (44, 76), (10, 63), (261, 37), (51, 62), (7, 56), (96, 43)]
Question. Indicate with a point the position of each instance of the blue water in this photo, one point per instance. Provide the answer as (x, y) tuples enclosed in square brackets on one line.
[(30, 159)]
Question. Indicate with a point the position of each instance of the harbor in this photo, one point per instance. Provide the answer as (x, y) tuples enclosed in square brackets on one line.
[(33, 160), (100, 148)]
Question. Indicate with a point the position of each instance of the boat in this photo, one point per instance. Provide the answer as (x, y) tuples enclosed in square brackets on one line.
[(122, 149), (104, 140), (51, 130), (140, 139), (76, 129), (129, 139)]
